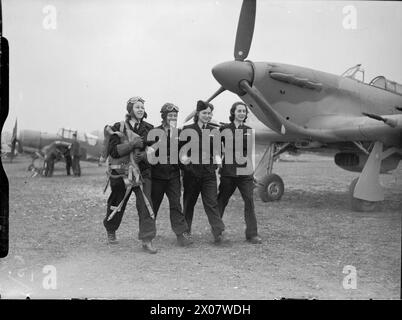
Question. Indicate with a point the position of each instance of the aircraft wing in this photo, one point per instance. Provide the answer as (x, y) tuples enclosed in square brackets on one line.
[(368, 127)]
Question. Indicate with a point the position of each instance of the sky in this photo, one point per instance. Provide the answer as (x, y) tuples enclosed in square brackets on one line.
[(76, 63)]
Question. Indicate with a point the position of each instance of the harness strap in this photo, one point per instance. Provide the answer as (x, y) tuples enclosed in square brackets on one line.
[(128, 192), (149, 207)]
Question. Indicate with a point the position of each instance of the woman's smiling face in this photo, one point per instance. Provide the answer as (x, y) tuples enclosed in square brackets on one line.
[(138, 110)]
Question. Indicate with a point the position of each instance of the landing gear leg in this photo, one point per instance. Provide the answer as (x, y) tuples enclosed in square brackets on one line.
[(271, 186), (359, 204), (366, 192)]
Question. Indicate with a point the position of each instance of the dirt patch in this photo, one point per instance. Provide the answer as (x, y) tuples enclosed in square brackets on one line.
[(308, 239)]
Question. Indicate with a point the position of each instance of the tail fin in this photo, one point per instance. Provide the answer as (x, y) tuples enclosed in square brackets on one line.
[(14, 140)]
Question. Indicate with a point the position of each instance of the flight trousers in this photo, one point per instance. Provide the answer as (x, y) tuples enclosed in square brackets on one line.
[(172, 188), (245, 184), (76, 165), (69, 163), (147, 227), (207, 186)]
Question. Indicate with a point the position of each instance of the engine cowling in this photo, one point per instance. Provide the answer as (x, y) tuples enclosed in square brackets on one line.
[(352, 161)]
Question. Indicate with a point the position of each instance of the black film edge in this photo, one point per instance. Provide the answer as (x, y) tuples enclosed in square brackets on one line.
[(4, 108)]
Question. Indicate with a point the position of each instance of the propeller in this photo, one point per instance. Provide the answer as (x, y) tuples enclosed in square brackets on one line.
[(244, 36), (276, 120), (245, 30)]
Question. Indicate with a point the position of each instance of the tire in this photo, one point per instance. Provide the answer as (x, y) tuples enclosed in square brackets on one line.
[(271, 188), (360, 205)]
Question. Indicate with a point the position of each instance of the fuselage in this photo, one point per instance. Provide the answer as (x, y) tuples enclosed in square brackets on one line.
[(33, 141), (314, 100)]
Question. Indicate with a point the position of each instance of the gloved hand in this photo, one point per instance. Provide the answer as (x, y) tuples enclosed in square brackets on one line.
[(140, 156), (137, 143), (125, 148), (119, 134)]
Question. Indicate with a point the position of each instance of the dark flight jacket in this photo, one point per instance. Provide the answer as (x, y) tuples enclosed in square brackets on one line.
[(165, 171), (230, 170), (200, 170), (142, 130)]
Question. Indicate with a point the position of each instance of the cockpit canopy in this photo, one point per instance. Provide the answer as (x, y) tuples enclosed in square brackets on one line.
[(66, 133), (383, 83), (357, 73)]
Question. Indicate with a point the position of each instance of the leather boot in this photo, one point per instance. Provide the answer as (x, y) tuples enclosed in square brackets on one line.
[(111, 237), (255, 240), (147, 247), (184, 239)]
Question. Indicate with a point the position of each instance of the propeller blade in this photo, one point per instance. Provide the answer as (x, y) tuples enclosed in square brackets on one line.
[(217, 93), (189, 116), (245, 30), (214, 123), (274, 118), (278, 123)]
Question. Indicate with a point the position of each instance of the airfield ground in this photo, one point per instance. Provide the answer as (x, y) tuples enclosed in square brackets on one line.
[(308, 239)]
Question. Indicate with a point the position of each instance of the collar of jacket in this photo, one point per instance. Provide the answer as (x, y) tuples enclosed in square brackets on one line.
[(197, 127), (242, 126)]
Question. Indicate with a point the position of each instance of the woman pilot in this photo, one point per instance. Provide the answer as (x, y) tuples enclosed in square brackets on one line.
[(234, 175)]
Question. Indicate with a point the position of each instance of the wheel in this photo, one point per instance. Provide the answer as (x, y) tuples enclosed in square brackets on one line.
[(359, 204), (271, 188)]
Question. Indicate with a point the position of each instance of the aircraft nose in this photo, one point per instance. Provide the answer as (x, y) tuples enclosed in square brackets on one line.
[(229, 74)]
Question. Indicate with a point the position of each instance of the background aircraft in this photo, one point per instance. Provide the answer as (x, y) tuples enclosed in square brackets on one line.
[(36, 143), (306, 109)]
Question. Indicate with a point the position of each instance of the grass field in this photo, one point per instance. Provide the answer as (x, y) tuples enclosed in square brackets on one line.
[(308, 239)]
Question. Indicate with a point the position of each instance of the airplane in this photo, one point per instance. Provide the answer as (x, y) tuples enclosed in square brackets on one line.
[(306, 109), (37, 143)]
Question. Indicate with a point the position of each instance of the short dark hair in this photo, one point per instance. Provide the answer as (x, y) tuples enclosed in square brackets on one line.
[(201, 105), (233, 109)]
